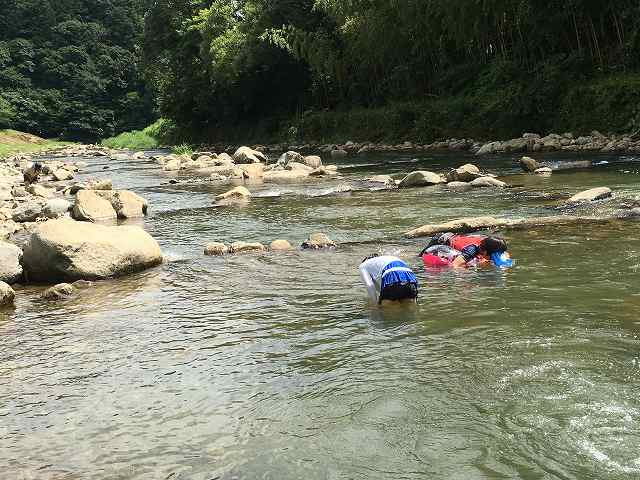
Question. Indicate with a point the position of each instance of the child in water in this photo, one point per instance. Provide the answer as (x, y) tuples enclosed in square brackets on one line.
[(388, 278), (466, 250)]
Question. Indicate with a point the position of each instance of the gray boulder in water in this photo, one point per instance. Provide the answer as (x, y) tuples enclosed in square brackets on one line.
[(10, 268), (528, 164), (421, 178), (591, 195), (65, 250), (317, 241), (465, 173), (7, 295)]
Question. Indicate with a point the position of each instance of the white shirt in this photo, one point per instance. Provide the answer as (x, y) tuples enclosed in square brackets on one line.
[(371, 273)]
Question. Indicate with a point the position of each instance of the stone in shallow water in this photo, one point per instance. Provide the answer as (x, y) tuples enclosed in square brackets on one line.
[(91, 207), (10, 267), (244, 247), (421, 178), (591, 195), (280, 245), (317, 241), (58, 292), (216, 249), (484, 182), (7, 295)]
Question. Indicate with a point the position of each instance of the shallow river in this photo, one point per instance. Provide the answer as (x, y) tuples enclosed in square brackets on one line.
[(275, 366)]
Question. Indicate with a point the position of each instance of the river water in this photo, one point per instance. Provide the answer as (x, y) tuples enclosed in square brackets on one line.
[(274, 366)]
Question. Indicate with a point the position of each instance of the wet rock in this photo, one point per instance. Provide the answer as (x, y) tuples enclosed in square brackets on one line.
[(58, 292), (287, 175), (384, 179), (313, 161), (65, 250), (214, 177), (126, 203), (7, 295), (421, 178), (459, 186), (338, 153), (238, 193), (484, 182), (62, 174), (172, 165), (543, 171), (591, 195), (462, 225), (10, 267), (289, 157), (224, 159), (489, 148), (248, 155), (28, 212), (82, 284), (105, 184), (40, 191), (528, 164), (253, 171), (216, 249), (317, 241), (244, 247), (465, 173), (91, 207), (280, 245)]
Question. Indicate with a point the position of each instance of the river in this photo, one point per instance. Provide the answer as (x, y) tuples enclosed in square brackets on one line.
[(274, 366)]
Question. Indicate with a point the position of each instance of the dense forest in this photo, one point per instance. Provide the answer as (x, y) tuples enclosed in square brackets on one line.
[(70, 68), (317, 69)]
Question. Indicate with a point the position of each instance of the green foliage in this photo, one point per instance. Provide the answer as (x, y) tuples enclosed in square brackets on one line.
[(135, 140), (182, 149), (70, 68)]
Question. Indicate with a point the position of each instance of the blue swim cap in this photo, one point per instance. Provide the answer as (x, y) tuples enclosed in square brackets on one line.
[(501, 259)]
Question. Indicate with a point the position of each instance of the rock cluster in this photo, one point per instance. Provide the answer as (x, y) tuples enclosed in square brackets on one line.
[(315, 241), (460, 179)]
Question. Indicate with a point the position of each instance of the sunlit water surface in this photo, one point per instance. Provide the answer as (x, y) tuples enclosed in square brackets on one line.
[(274, 366)]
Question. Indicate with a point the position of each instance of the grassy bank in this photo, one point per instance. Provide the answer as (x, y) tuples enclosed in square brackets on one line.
[(12, 141)]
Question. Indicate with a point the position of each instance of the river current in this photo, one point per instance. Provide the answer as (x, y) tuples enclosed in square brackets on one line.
[(274, 366)]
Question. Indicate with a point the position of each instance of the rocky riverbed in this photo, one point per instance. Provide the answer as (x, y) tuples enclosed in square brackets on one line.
[(241, 343)]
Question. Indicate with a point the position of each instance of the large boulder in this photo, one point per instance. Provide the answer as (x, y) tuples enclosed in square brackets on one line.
[(7, 295), (10, 267), (65, 250), (248, 155), (126, 203), (421, 178), (591, 195), (27, 212), (91, 207), (528, 164), (465, 173)]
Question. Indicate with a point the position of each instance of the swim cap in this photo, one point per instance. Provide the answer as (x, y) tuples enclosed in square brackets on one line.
[(501, 259)]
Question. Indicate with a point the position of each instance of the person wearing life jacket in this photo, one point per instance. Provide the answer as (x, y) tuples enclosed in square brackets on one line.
[(32, 173), (467, 250), (388, 278)]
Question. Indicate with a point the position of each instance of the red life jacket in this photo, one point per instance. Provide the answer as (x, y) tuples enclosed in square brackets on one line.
[(460, 241)]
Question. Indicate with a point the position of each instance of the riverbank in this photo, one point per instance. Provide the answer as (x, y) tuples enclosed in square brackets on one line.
[(12, 141)]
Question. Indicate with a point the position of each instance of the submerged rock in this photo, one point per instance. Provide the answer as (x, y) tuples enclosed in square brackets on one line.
[(338, 153), (317, 241), (216, 249), (591, 195), (421, 178), (91, 207), (58, 292), (544, 171), (459, 186), (10, 267), (7, 295), (65, 250)]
